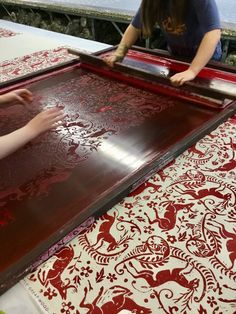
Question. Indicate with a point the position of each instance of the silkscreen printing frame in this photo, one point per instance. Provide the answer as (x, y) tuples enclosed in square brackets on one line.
[(70, 202)]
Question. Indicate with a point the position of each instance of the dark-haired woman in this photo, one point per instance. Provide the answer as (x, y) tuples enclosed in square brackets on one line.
[(191, 29)]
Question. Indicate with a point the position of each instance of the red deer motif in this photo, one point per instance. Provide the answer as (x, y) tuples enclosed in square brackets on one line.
[(204, 243), (143, 187), (196, 151), (168, 221), (119, 300), (104, 234), (201, 248), (206, 193), (227, 166), (161, 173), (63, 258), (230, 243), (232, 162), (164, 276)]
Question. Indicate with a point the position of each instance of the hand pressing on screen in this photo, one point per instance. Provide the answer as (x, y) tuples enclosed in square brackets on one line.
[(41, 123)]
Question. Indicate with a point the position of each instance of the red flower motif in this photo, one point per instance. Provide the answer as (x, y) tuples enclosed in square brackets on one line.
[(211, 301), (151, 204), (50, 293), (86, 271), (128, 205), (171, 239), (67, 307), (111, 277)]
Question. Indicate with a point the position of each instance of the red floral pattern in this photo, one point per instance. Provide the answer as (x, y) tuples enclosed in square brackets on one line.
[(169, 247)]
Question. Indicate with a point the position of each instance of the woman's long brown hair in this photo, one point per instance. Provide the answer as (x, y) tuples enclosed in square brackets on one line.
[(155, 11)]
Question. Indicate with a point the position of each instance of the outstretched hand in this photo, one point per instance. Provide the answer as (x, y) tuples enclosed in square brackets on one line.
[(45, 121), (182, 77), (18, 96)]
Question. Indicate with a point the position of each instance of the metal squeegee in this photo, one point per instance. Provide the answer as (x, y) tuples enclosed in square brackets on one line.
[(139, 73)]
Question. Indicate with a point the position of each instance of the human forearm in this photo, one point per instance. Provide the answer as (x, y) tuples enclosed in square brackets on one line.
[(129, 38), (13, 141), (203, 55), (205, 51), (42, 122)]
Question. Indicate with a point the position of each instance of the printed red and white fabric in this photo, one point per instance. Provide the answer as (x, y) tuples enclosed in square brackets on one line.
[(33, 63), (169, 247), (7, 33)]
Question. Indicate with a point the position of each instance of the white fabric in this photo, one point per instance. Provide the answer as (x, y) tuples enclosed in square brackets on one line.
[(17, 301), (24, 44)]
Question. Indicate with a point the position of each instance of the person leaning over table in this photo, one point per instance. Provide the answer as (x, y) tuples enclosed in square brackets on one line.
[(42, 122), (190, 27)]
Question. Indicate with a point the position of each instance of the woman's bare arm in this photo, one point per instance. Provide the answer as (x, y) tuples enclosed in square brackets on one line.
[(43, 122), (203, 56)]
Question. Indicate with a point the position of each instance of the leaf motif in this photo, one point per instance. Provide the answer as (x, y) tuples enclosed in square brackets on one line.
[(77, 279), (182, 236), (202, 310), (100, 275), (70, 267), (192, 216), (139, 218)]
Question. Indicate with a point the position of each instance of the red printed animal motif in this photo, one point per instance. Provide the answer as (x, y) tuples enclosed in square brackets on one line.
[(143, 187), (104, 234), (101, 132), (53, 277), (201, 248), (168, 221), (196, 151), (204, 242), (230, 242), (227, 166), (231, 164), (73, 128), (164, 276), (197, 195), (161, 173), (117, 298)]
